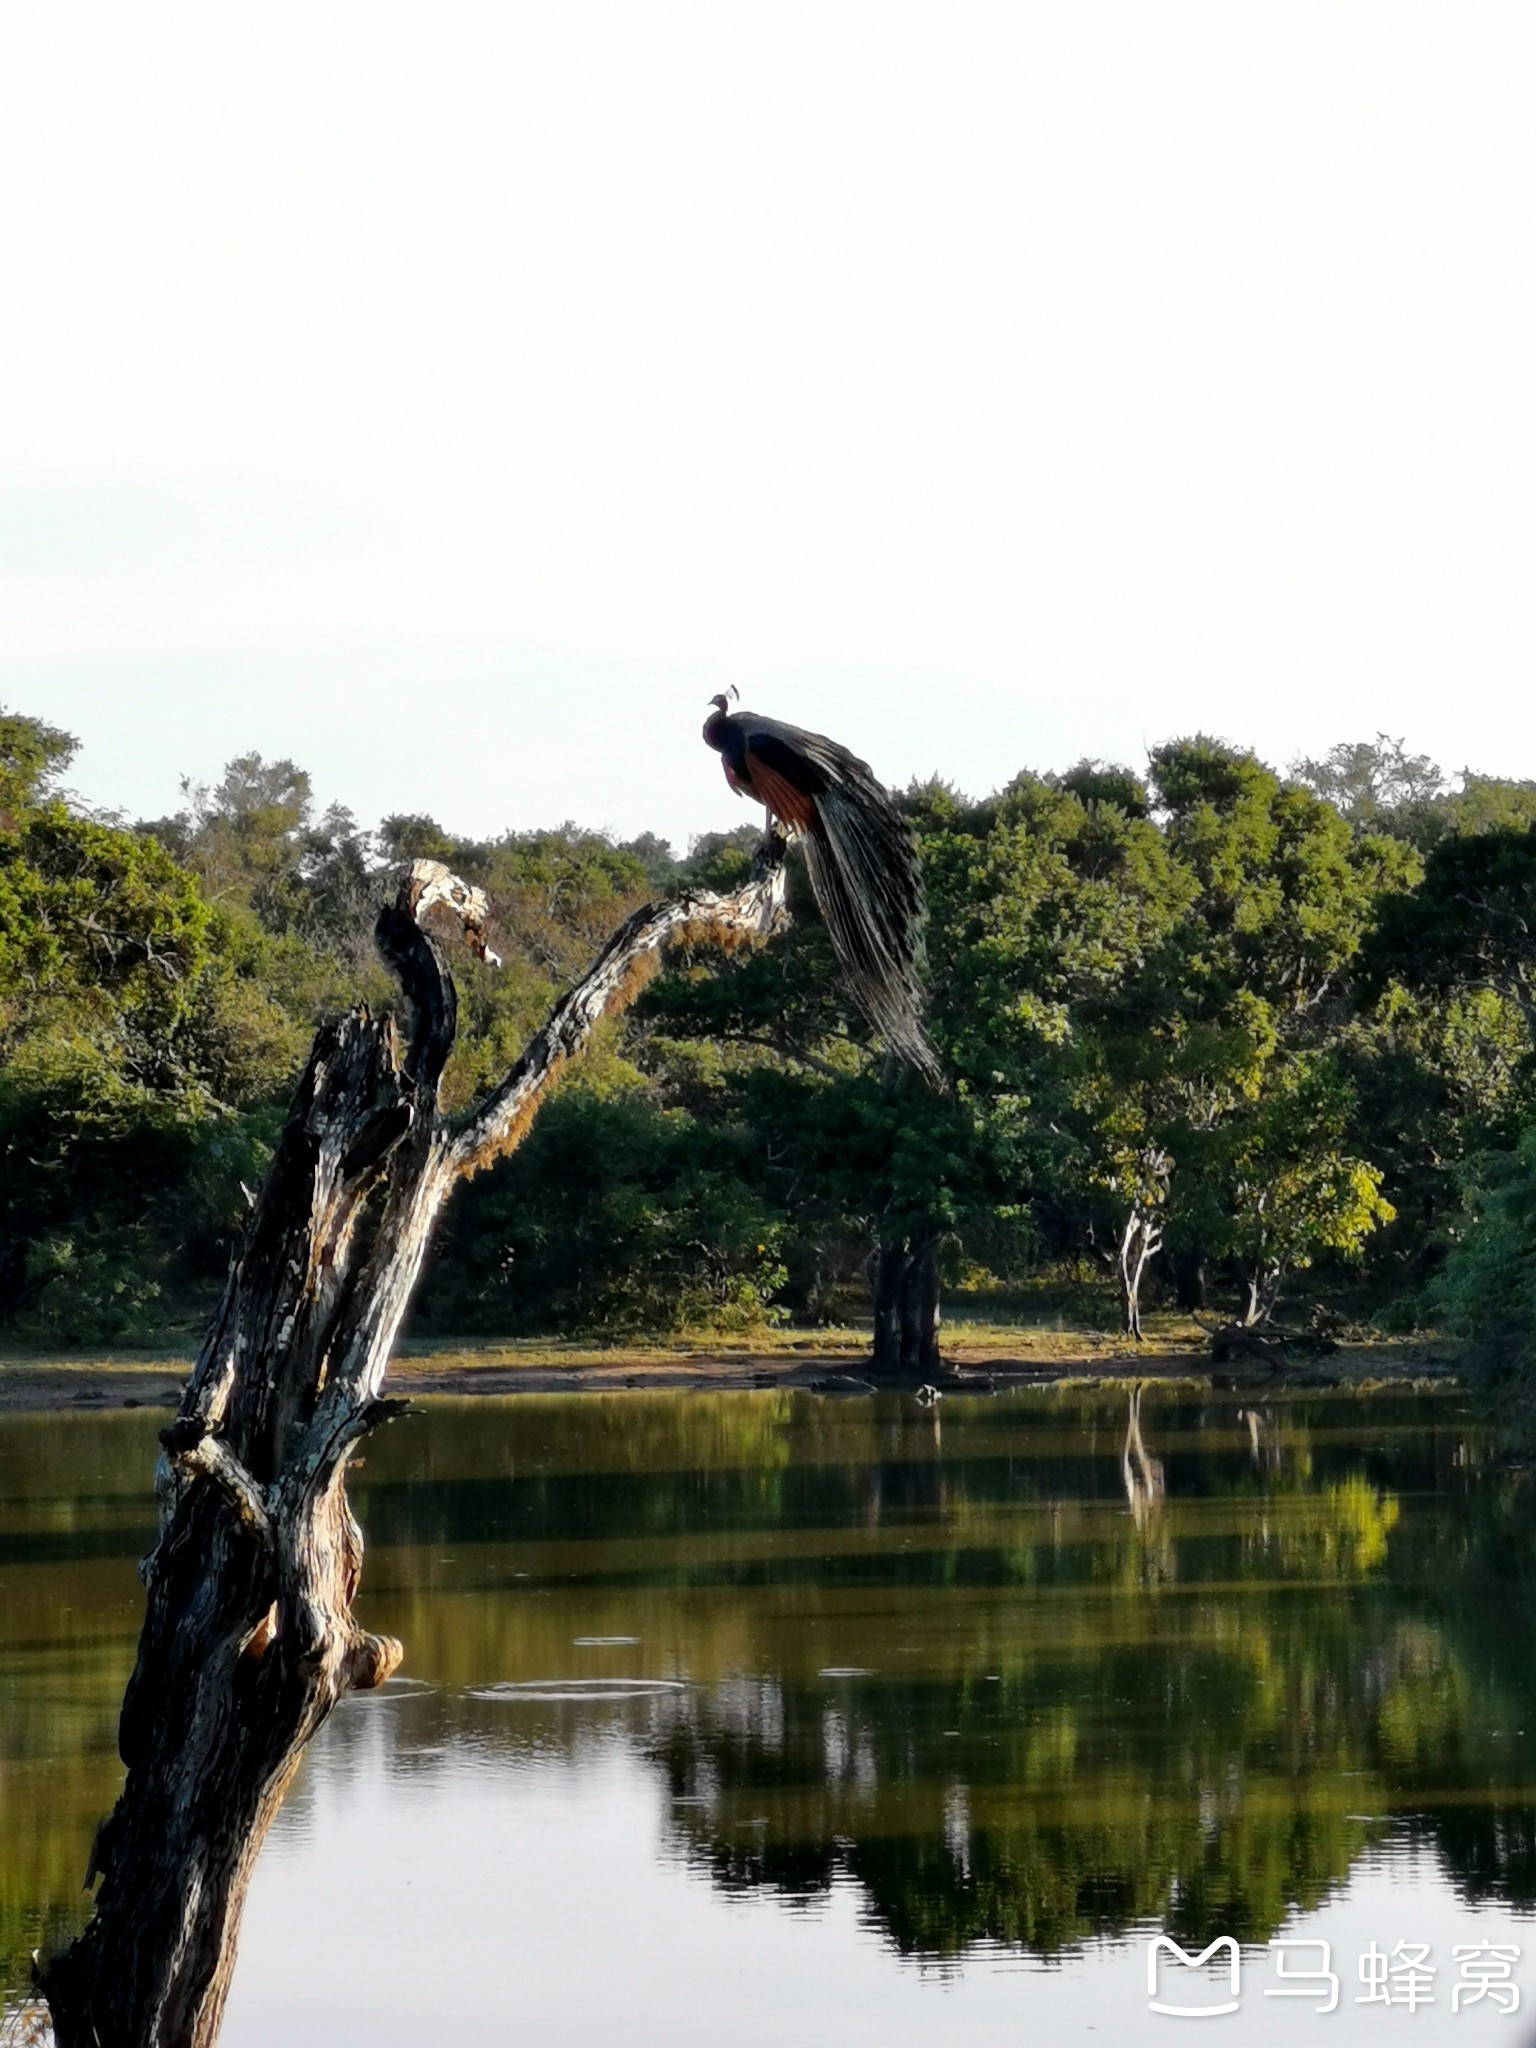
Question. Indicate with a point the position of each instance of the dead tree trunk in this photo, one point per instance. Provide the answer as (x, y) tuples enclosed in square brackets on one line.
[(248, 1639)]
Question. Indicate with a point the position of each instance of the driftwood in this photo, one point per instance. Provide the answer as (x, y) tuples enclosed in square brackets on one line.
[(1270, 1343), (248, 1639)]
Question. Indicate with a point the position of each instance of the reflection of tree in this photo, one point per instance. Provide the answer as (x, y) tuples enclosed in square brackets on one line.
[(1143, 1473), (1192, 1780), (75, 1519), (1204, 1764), (1174, 1719)]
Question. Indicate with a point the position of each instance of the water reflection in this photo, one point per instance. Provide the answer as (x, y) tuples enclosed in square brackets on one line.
[(1143, 1474), (1071, 1665)]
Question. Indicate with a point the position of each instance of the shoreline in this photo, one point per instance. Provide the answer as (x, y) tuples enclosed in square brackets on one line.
[(54, 1383)]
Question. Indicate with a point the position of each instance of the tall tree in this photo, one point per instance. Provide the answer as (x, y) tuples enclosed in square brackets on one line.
[(1377, 786), (1468, 924), (131, 1041), (852, 1150), (1049, 906), (1283, 894)]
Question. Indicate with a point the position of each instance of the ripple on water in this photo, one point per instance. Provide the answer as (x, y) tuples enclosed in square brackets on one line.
[(594, 1689), (391, 1689)]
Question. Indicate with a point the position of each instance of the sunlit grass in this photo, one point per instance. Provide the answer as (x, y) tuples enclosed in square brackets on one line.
[(1043, 1342)]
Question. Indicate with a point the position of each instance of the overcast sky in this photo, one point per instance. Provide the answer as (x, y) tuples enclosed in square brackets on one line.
[(452, 397)]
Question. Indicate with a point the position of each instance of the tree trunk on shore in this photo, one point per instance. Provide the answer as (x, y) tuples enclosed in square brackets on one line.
[(248, 1639), (1139, 1243), (906, 1342), (1189, 1281), (1261, 1292)]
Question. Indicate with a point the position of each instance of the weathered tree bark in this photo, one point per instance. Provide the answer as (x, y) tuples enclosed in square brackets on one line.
[(248, 1639), (906, 1339)]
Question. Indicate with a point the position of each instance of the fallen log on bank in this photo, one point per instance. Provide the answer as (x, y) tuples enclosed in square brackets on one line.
[(248, 1639), (1269, 1343)]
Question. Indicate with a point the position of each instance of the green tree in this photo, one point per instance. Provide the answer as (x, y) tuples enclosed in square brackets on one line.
[(1486, 1289), (1287, 1186), (1467, 924), (130, 1041), (616, 1217), (1142, 986), (1284, 893), (1378, 786), (1049, 906)]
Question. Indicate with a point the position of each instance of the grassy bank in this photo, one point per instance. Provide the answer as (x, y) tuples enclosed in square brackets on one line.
[(1004, 1353)]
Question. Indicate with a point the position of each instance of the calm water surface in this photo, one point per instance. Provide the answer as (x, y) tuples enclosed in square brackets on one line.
[(751, 1717)]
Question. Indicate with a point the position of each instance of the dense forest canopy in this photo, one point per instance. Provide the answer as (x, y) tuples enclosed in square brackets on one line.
[(1213, 1034)]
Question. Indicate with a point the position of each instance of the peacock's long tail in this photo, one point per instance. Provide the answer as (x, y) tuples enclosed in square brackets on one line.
[(864, 871)]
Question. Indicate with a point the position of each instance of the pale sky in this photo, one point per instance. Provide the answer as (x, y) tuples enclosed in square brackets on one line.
[(452, 397)]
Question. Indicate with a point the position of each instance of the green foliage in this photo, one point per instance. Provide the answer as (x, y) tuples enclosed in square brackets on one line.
[(33, 755), (1486, 1290), (1103, 782), (1379, 787), (1140, 1005), (1485, 803), (135, 1041), (1291, 1188), (1467, 924), (1261, 1023), (613, 1217)]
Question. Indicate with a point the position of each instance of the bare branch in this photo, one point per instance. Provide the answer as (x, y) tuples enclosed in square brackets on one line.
[(408, 946), (411, 951), (734, 918), (369, 1661), (428, 883)]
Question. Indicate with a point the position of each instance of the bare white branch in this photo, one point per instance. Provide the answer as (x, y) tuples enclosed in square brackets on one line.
[(740, 916)]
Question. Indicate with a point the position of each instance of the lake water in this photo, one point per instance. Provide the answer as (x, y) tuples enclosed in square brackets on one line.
[(760, 1717)]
